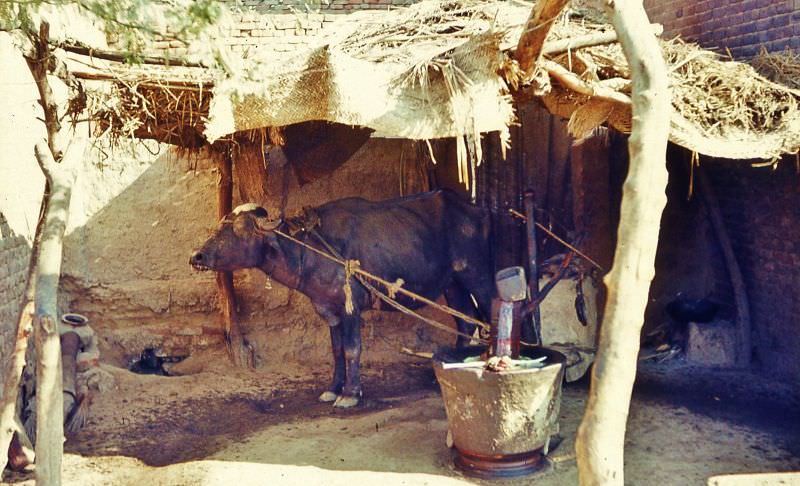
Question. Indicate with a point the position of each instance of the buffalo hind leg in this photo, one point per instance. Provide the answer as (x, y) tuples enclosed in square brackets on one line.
[(337, 382), (459, 299), (351, 342)]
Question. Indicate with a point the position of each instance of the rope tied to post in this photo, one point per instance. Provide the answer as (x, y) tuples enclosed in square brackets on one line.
[(351, 268)]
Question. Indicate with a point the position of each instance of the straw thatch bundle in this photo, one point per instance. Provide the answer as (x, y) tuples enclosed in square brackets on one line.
[(722, 108), (782, 67), (444, 69)]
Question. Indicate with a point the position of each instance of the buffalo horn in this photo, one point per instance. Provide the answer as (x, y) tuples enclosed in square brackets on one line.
[(265, 224)]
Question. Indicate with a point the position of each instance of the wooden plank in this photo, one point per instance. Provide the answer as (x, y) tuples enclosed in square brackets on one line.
[(560, 146), (580, 155), (536, 123), (590, 193)]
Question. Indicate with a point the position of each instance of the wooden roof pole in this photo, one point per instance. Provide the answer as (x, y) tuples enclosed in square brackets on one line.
[(235, 341), (531, 42), (601, 435), (529, 51)]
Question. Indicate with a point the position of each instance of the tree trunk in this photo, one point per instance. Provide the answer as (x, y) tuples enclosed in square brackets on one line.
[(49, 400), (59, 177), (601, 435)]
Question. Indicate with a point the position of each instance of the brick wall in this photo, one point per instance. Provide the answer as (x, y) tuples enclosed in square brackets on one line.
[(760, 206), (761, 209), (741, 26), (14, 255), (283, 25), (283, 6)]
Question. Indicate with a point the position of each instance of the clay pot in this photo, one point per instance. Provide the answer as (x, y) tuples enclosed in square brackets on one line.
[(501, 422)]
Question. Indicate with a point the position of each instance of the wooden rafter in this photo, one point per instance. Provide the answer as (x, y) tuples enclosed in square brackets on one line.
[(531, 42)]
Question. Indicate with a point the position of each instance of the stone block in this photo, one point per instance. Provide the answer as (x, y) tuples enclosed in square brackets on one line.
[(712, 344)]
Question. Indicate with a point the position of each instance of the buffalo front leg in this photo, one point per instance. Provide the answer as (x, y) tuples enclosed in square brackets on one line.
[(337, 383), (351, 343), (459, 299), (335, 326)]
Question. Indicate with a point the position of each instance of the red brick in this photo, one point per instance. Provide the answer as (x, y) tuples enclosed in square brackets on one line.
[(750, 5), (781, 20)]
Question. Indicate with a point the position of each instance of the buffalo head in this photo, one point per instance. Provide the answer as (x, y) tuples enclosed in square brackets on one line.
[(238, 242)]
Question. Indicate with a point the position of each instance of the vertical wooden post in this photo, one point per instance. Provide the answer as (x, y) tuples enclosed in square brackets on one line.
[(601, 435), (744, 347), (234, 340), (533, 269), (249, 162)]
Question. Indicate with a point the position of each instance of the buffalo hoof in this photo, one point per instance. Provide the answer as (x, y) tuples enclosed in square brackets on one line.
[(345, 402), (328, 396)]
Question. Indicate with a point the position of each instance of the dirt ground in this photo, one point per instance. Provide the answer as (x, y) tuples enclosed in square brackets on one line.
[(228, 426)]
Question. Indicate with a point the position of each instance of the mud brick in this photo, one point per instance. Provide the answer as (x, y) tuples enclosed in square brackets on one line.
[(284, 21), (189, 331), (712, 344), (212, 330)]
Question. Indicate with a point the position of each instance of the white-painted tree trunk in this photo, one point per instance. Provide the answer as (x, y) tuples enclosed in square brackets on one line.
[(49, 405), (601, 435)]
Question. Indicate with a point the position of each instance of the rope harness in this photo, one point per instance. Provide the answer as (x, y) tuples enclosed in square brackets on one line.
[(353, 270)]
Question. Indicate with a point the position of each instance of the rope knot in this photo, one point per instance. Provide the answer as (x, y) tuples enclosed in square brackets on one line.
[(350, 269), (393, 288)]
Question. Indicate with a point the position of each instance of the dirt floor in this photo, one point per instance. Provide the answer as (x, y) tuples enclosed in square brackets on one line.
[(227, 426)]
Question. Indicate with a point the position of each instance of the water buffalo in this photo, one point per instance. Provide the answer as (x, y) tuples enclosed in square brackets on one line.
[(436, 242)]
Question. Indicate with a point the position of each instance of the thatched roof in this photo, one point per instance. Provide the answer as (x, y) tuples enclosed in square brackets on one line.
[(443, 68)]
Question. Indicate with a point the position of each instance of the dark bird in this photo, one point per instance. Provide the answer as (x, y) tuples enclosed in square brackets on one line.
[(684, 309), (148, 363)]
